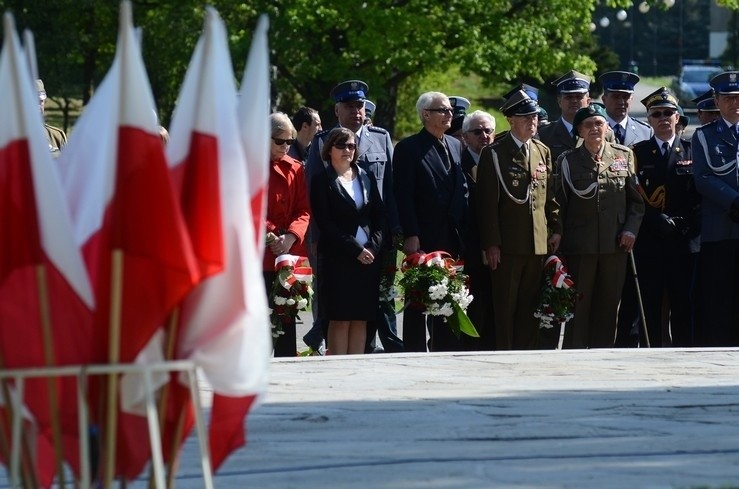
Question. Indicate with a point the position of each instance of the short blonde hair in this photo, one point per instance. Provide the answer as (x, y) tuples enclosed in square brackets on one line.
[(281, 123)]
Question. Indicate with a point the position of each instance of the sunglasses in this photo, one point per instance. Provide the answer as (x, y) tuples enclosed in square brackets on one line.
[(280, 142), (441, 110), (477, 132), (342, 146), (658, 114)]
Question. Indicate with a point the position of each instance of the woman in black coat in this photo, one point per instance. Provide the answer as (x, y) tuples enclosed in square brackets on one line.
[(347, 208)]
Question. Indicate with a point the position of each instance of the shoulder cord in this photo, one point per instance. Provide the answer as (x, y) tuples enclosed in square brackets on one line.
[(718, 170), (593, 187), (508, 193)]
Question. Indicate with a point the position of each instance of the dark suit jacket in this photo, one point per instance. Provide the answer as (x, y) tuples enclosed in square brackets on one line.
[(669, 190), (556, 137), (336, 215), (432, 203)]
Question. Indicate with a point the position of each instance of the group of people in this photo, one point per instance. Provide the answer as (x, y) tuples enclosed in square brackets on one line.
[(608, 193)]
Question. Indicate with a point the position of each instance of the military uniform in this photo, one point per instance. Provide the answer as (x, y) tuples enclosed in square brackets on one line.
[(664, 251), (599, 200), (56, 139), (715, 148), (516, 209), (557, 138)]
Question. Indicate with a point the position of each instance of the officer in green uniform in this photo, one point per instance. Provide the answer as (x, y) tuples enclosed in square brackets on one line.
[(601, 211), (515, 209), (55, 136)]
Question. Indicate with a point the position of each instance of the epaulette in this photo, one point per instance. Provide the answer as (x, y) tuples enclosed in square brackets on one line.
[(685, 142), (640, 143), (620, 146), (641, 122), (376, 129), (499, 139)]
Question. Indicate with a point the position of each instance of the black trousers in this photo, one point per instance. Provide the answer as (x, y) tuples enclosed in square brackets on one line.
[(285, 344), (719, 304)]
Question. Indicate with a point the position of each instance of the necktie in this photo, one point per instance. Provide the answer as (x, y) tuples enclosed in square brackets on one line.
[(665, 148), (619, 132), (525, 152), (572, 133), (444, 154)]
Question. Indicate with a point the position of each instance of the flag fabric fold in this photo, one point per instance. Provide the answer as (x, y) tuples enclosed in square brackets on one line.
[(253, 110), (224, 321), (123, 203), (40, 263)]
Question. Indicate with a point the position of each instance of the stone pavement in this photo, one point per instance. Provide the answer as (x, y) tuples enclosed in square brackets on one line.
[(662, 418)]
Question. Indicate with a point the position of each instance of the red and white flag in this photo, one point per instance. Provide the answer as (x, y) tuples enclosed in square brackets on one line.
[(123, 204), (39, 261), (225, 320), (254, 110)]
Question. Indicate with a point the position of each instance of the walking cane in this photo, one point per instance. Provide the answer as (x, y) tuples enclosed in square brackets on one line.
[(638, 296)]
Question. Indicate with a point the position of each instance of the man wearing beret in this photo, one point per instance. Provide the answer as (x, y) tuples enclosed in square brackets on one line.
[(515, 209), (715, 163), (572, 94), (666, 249), (706, 105), (431, 193), (618, 91), (601, 210), (374, 155)]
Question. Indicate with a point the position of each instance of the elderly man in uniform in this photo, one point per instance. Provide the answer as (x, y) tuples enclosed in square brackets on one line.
[(618, 92), (664, 251), (601, 211), (715, 163), (54, 136), (572, 94), (307, 122), (706, 105), (515, 209), (374, 155), (431, 194), (478, 130)]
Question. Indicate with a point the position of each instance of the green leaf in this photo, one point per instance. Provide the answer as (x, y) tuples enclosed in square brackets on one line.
[(459, 322)]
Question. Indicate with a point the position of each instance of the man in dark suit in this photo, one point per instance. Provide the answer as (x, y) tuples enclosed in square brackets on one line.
[(307, 123), (375, 155), (618, 92), (572, 94), (664, 251), (715, 165), (478, 130), (516, 209), (431, 195)]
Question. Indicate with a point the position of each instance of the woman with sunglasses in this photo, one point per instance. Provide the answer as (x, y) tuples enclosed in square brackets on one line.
[(348, 210), (288, 214)]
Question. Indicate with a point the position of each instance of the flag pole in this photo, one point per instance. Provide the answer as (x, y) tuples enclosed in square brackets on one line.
[(114, 354), (48, 340), (27, 473)]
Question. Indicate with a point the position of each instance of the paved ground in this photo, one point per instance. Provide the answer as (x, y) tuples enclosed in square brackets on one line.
[(545, 419)]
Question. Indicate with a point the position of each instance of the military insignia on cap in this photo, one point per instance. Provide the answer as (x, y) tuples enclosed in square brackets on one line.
[(660, 98)]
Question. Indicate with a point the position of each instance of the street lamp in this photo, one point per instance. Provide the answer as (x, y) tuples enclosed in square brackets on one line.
[(644, 7)]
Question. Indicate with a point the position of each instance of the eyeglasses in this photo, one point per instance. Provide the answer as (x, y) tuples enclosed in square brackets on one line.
[(477, 132), (442, 110), (342, 146), (280, 142), (658, 114)]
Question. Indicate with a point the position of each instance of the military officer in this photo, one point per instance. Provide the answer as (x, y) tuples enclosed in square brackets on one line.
[(375, 155), (707, 110), (533, 94), (515, 209), (664, 251), (572, 94), (715, 163), (601, 211), (369, 112), (460, 106), (54, 136), (618, 92)]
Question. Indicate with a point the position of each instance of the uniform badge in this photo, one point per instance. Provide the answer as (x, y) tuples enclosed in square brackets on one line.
[(619, 164), (515, 183), (542, 168)]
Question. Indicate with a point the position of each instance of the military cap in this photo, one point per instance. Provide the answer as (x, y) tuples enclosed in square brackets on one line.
[(532, 92), (706, 102), (459, 106), (660, 98), (725, 83), (41, 90), (619, 81), (369, 108), (592, 110), (684, 119), (543, 115), (349, 91), (572, 82), (519, 104)]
